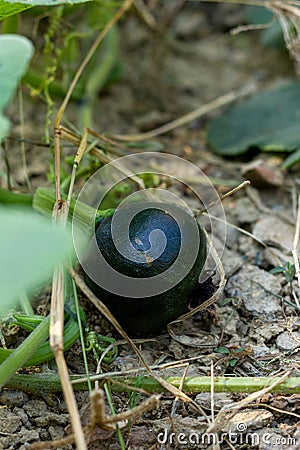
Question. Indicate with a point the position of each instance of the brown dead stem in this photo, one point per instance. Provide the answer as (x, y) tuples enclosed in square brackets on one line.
[(199, 112), (99, 418), (288, 14), (107, 314), (60, 214)]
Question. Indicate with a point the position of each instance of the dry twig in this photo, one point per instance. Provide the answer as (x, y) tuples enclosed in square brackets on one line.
[(229, 411)]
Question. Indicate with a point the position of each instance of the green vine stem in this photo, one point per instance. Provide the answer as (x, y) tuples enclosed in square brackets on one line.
[(48, 382), (35, 79), (44, 199), (21, 354), (8, 197), (41, 350)]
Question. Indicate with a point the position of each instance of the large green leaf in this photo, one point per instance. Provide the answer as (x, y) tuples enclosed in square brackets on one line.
[(9, 9), (269, 121), (15, 54), (271, 34), (47, 2), (30, 248)]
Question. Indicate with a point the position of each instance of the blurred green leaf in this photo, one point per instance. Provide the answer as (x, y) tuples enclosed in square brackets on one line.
[(30, 248), (268, 121), (272, 35), (222, 350), (46, 2), (9, 9), (292, 159), (277, 270), (15, 54)]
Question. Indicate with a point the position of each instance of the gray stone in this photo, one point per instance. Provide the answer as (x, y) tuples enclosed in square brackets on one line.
[(276, 232), (269, 440), (35, 408), (247, 420), (231, 260), (258, 289), (52, 419), (274, 257), (220, 399), (263, 331), (245, 211), (9, 422), (260, 350), (286, 342)]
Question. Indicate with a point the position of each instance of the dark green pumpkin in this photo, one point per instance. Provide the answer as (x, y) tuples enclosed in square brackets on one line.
[(148, 315)]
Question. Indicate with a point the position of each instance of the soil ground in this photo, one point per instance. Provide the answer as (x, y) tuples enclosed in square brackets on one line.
[(166, 75)]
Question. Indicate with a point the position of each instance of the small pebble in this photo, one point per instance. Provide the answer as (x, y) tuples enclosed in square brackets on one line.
[(288, 342)]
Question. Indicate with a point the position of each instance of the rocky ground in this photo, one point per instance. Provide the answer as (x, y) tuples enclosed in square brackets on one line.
[(256, 320)]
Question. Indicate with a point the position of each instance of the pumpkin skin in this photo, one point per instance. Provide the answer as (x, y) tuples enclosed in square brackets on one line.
[(149, 315)]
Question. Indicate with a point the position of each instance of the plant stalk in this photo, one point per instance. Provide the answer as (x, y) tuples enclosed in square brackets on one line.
[(23, 352), (9, 197), (48, 382)]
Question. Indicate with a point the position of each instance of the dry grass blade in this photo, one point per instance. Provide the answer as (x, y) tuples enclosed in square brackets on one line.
[(99, 418), (294, 251), (219, 266), (109, 375), (199, 112), (228, 194), (209, 301), (68, 135), (288, 14), (80, 152), (228, 411), (60, 214), (176, 402), (247, 233), (121, 11), (57, 302), (146, 15), (216, 445), (108, 422), (107, 314), (278, 410)]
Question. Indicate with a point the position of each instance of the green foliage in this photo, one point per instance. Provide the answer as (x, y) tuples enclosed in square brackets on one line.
[(288, 271), (15, 54), (271, 36), (230, 353), (45, 2), (30, 248), (8, 9), (223, 350), (268, 121)]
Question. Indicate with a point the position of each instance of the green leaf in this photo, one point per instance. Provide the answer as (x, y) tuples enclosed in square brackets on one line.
[(233, 362), (268, 121), (291, 160), (277, 270), (30, 248), (222, 350), (272, 35), (7, 9), (227, 300), (15, 54), (240, 349), (47, 2)]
